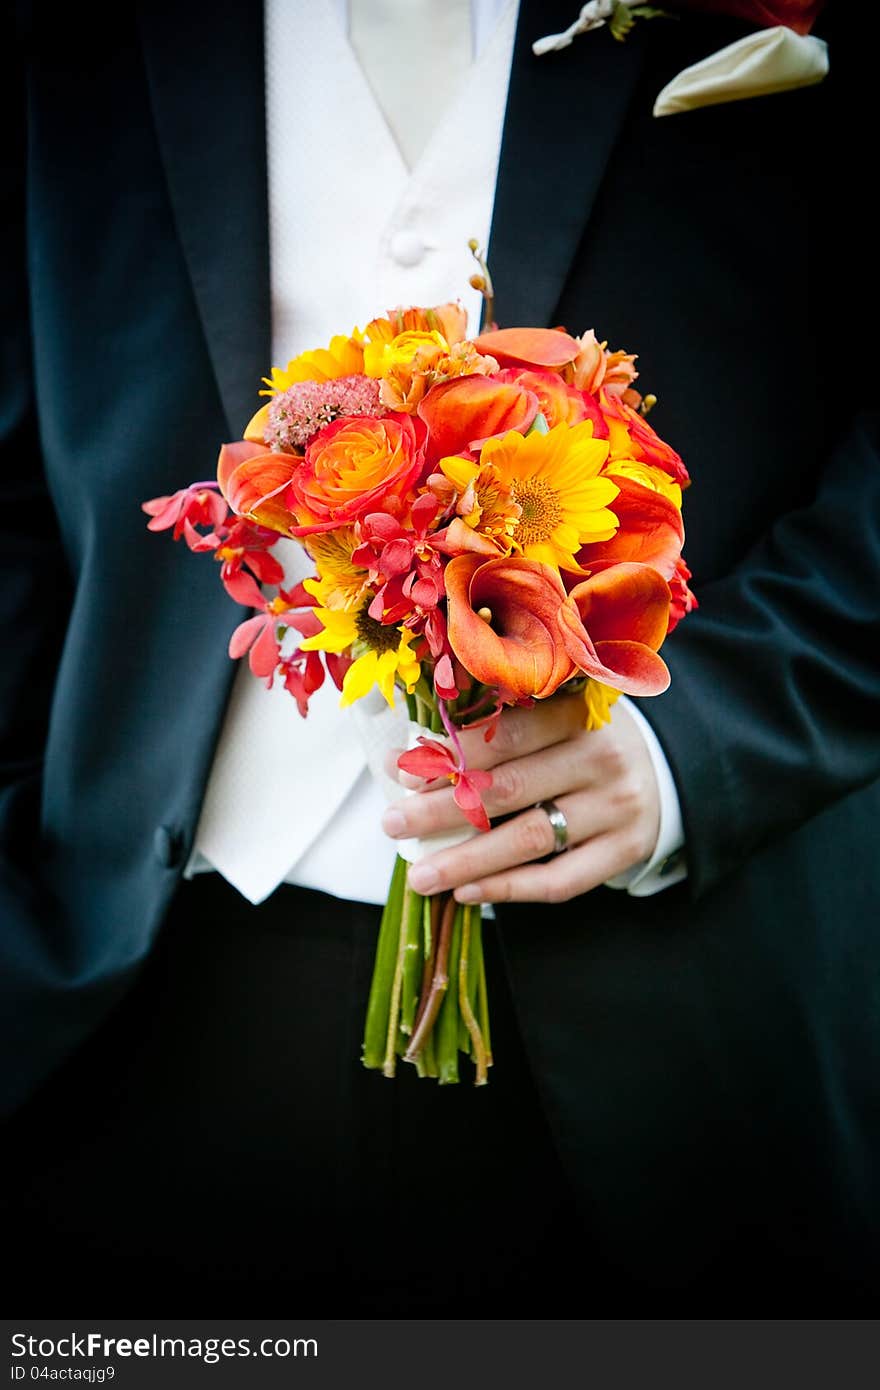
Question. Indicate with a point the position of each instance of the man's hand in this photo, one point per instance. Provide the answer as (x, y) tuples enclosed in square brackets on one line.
[(602, 781)]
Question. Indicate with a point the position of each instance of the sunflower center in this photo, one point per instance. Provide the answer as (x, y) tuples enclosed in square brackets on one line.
[(541, 512), (379, 637)]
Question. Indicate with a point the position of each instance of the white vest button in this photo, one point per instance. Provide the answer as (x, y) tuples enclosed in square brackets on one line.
[(407, 248)]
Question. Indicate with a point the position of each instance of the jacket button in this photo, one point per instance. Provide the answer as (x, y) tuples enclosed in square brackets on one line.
[(168, 846)]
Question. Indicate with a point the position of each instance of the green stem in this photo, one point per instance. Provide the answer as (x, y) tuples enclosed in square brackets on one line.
[(483, 1009), (447, 1020), (464, 1003), (411, 948), (379, 1004), (389, 1065), (427, 1017)]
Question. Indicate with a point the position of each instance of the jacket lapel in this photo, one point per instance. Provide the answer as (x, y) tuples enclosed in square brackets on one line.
[(210, 62), (564, 112)]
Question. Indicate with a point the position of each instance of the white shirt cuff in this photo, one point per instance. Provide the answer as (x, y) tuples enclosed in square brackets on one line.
[(667, 865)]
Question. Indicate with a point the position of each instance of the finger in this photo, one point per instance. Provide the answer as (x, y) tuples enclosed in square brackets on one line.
[(564, 767), (562, 878), (525, 838), (522, 731)]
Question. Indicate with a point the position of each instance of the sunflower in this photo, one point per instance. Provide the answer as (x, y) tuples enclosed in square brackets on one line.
[(559, 501), (344, 356), (381, 651)]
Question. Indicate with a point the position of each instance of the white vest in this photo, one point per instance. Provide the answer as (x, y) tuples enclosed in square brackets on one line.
[(353, 232)]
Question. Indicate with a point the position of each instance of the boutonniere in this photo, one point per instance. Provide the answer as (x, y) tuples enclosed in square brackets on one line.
[(779, 56)]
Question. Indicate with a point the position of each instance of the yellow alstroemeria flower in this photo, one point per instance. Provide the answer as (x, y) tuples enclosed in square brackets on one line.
[(382, 652), (382, 357)]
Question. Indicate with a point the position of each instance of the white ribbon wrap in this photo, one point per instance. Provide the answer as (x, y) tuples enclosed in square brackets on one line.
[(382, 730)]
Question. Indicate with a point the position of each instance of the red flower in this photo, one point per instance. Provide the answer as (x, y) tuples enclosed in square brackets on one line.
[(799, 15), (432, 759), (196, 505)]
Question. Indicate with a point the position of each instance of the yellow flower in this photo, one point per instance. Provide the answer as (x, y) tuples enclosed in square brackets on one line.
[(599, 699), (340, 583), (646, 474), (553, 479), (382, 651), (344, 356), (384, 357)]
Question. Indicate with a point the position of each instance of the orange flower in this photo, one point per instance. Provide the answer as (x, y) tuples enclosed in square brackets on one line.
[(503, 624), (462, 414), (354, 466), (613, 624), (449, 319), (529, 347), (650, 531), (631, 437), (255, 482), (558, 403), (596, 367)]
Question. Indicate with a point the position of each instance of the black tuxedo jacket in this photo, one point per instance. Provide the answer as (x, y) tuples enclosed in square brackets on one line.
[(735, 1017)]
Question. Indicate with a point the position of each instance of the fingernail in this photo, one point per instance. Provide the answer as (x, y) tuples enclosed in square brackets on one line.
[(423, 878), (394, 822), (468, 893)]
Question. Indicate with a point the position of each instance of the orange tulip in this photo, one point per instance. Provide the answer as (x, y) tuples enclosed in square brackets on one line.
[(462, 414), (612, 625), (255, 481), (503, 622)]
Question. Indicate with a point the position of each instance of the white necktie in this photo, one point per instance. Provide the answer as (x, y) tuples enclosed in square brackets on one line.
[(413, 53)]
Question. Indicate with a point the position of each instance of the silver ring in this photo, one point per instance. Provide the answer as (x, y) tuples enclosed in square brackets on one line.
[(558, 824)]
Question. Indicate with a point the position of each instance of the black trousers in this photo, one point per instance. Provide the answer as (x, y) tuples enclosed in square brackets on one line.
[(217, 1148)]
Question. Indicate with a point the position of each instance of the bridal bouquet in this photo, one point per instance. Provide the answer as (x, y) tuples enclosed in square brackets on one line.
[(490, 520)]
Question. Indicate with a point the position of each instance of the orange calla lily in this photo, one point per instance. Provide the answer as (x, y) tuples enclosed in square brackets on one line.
[(650, 531), (503, 624), (462, 414), (529, 347), (255, 481), (612, 625)]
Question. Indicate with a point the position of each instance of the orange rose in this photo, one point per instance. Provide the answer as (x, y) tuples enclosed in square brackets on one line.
[(352, 467)]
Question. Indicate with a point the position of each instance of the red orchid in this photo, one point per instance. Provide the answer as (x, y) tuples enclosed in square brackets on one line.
[(433, 759), (242, 544), (401, 561), (199, 504), (250, 545), (258, 635)]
